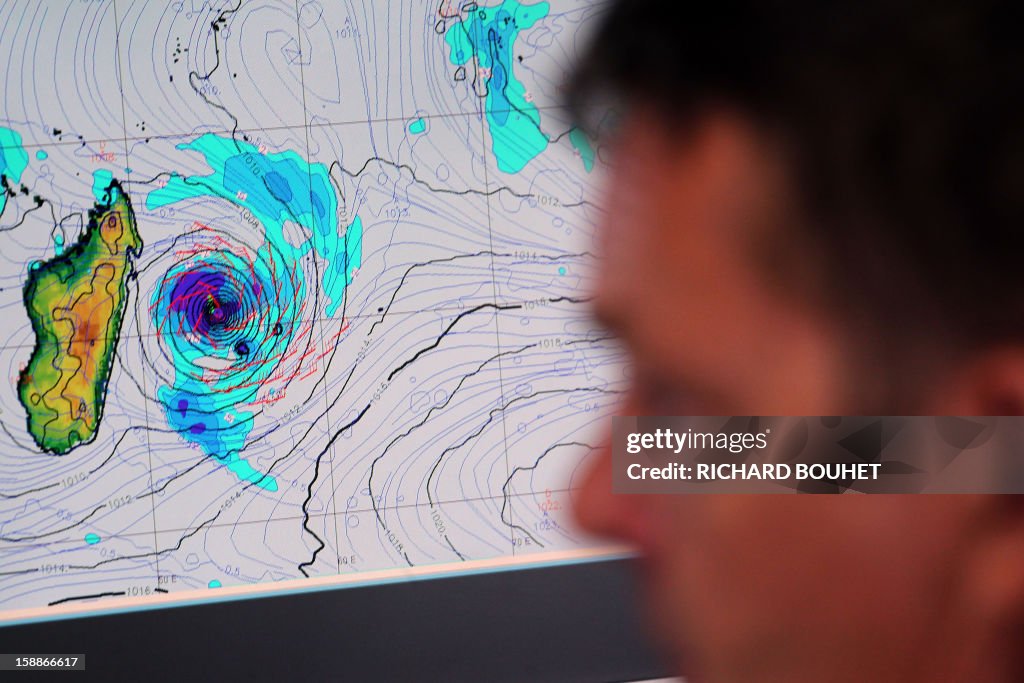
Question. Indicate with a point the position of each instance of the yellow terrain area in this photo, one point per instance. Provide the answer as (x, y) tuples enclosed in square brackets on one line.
[(76, 302)]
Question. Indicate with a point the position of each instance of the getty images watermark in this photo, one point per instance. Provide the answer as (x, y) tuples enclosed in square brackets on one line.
[(757, 454)]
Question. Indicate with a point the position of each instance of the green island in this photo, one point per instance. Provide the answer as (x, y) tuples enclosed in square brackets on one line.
[(76, 303)]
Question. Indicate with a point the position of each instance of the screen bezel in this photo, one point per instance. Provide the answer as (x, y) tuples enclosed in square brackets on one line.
[(567, 622)]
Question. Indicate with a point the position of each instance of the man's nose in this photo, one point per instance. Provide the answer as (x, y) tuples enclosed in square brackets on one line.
[(590, 499), (596, 508)]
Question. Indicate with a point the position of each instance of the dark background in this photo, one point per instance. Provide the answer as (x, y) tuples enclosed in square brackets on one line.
[(566, 623)]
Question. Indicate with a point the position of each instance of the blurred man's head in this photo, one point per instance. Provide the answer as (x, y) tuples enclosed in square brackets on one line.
[(815, 210)]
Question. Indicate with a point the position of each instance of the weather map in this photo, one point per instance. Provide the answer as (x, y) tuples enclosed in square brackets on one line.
[(290, 291)]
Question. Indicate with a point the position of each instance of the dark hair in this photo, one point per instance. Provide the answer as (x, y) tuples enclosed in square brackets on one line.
[(905, 124)]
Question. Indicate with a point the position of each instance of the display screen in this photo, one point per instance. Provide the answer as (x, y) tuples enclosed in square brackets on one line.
[(293, 295)]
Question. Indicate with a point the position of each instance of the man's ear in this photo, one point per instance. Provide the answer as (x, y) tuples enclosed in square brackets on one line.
[(990, 384)]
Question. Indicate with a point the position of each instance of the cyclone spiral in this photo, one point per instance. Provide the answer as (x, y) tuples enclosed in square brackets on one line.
[(234, 306)]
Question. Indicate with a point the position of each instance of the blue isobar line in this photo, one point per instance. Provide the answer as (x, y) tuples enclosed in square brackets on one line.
[(489, 35), (276, 188), (13, 160)]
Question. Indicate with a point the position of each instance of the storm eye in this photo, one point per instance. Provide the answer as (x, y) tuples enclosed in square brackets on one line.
[(212, 311)]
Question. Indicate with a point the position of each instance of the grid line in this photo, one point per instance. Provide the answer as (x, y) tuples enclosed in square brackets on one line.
[(312, 320), (497, 326), (268, 129), (145, 391), (320, 324)]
